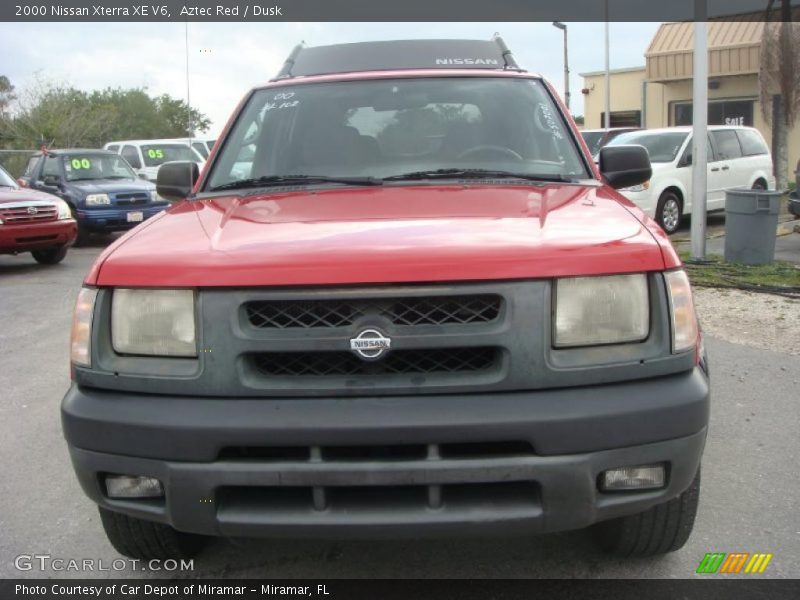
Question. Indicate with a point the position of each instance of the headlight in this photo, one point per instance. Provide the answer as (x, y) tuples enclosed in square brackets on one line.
[(153, 322), (601, 310), (97, 199), (637, 188), (63, 211), (81, 337), (682, 314)]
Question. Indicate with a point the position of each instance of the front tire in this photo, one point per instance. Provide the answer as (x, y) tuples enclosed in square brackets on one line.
[(663, 528), (668, 211), (50, 256), (147, 540)]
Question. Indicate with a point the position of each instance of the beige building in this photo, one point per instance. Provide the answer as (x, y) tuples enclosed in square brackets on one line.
[(659, 94)]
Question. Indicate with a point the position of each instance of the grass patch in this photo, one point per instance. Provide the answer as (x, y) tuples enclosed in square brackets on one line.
[(778, 277)]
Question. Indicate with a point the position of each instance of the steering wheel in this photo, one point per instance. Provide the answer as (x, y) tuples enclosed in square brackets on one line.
[(489, 149)]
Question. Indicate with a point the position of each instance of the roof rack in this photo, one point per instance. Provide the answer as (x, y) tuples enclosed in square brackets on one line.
[(398, 55)]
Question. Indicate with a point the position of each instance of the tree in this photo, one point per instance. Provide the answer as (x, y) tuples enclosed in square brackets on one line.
[(779, 84), (7, 95)]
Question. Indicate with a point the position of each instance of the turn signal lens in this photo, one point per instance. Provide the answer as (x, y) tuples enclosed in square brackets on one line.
[(643, 477), (682, 313), (81, 338)]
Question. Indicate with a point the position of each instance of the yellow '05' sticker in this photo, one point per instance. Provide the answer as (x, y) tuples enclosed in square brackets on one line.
[(155, 153)]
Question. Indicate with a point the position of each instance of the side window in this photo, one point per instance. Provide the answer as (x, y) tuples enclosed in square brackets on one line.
[(201, 148), (752, 143), (51, 167), (130, 154), (31, 166), (686, 159), (726, 144)]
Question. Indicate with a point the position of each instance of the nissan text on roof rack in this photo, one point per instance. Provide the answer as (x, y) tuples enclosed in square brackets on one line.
[(401, 299)]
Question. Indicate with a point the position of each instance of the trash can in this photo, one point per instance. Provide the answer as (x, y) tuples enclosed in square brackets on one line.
[(751, 222)]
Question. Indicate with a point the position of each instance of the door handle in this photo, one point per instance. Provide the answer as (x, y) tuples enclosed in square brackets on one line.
[(725, 168), (715, 168)]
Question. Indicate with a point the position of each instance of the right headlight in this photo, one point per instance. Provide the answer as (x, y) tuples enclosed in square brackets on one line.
[(682, 314), (97, 200), (591, 311), (153, 322)]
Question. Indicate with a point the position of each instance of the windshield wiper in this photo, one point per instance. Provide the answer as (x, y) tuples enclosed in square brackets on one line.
[(269, 180), (477, 174)]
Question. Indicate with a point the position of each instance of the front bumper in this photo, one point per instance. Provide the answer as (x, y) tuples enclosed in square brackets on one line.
[(34, 236), (574, 434), (116, 219)]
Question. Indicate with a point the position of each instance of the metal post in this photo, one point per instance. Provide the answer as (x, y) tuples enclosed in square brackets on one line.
[(607, 123), (699, 134), (563, 28)]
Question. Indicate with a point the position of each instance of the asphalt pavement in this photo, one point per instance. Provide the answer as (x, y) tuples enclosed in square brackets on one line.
[(750, 498)]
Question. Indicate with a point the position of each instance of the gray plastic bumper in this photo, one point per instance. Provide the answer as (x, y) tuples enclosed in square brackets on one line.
[(575, 433)]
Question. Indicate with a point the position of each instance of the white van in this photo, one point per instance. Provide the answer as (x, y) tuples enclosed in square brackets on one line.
[(146, 156), (737, 157)]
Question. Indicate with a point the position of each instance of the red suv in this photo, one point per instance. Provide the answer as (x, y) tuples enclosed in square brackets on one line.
[(400, 300), (34, 222)]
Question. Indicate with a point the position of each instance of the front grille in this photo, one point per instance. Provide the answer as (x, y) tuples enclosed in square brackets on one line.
[(132, 198), (397, 362), (20, 215), (435, 310)]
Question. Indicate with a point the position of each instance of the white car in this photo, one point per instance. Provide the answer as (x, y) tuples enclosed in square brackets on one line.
[(738, 157), (146, 156)]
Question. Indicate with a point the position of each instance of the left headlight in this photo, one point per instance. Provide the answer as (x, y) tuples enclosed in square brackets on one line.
[(601, 310), (153, 322), (637, 188), (63, 211), (97, 199)]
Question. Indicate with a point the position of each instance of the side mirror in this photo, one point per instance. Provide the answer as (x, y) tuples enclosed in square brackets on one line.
[(143, 176), (625, 166), (176, 180), (51, 180)]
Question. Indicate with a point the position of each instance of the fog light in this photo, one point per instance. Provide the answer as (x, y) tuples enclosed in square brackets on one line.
[(643, 477), (128, 486)]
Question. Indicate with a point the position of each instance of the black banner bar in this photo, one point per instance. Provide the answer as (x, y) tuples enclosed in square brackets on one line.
[(731, 588), (379, 11)]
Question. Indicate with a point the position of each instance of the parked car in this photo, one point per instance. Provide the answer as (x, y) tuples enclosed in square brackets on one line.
[(737, 157), (425, 311), (597, 138), (35, 222), (102, 191), (146, 156), (794, 196)]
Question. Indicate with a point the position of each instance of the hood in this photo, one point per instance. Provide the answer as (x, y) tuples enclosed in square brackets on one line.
[(384, 235), (112, 186), (9, 195)]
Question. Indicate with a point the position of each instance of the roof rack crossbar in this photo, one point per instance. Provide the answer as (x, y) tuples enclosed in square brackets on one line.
[(394, 55)]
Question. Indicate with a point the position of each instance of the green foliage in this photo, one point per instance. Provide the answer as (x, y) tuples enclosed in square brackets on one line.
[(63, 116)]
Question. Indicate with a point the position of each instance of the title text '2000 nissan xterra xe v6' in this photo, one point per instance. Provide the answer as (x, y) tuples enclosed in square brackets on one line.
[(401, 299)]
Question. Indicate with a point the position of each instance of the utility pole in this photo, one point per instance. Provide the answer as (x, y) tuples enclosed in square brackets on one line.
[(563, 27), (607, 119), (699, 133)]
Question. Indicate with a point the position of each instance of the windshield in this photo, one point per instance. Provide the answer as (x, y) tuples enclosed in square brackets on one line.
[(662, 147), (157, 154), (593, 139), (6, 180), (386, 128), (79, 167)]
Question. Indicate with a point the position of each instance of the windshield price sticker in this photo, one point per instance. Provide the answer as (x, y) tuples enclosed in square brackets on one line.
[(155, 153), (80, 163)]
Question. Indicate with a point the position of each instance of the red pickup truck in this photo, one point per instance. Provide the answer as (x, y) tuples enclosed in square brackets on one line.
[(35, 222), (400, 300)]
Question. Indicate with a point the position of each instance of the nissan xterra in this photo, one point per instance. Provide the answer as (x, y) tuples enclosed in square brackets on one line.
[(400, 300)]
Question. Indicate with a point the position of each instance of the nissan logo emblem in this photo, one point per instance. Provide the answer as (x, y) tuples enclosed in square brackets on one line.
[(370, 344)]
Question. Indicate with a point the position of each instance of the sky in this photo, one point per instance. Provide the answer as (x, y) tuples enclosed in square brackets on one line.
[(227, 59)]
